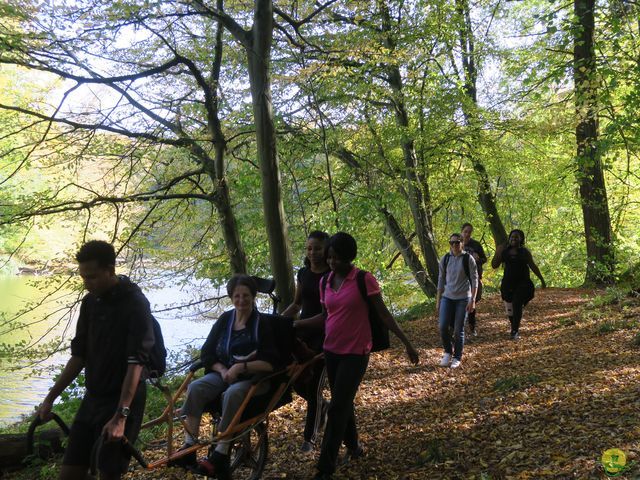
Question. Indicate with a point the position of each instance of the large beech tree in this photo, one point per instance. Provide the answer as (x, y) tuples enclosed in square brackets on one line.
[(590, 173)]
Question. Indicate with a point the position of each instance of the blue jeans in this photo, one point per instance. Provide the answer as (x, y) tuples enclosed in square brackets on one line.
[(452, 314)]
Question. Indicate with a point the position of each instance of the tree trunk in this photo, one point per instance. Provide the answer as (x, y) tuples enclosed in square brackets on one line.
[(13, 447), (487, 201), (417, 188), (259, 57), (590, 175), (222, 198), (232, 241), (486, 197), (408, 254)]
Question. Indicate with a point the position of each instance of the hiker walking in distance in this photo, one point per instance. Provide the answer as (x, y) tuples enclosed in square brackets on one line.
[(516, 287), (473, 248), (457, 287)]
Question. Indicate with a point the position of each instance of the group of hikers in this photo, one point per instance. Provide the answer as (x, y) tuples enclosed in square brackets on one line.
[(333, 298), (460, 287)]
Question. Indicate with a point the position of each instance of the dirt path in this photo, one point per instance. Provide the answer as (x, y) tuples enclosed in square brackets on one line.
[(546, 406)]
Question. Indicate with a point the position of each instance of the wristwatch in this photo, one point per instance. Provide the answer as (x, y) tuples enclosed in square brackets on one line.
[(124, 411)]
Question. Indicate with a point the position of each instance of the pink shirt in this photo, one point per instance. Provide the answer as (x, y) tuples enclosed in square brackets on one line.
[(347, 329)]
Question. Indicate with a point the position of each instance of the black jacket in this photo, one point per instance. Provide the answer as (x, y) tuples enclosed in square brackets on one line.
[(265, 343), (113, 331)]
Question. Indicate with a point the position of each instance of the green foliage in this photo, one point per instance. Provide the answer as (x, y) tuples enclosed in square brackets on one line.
[(417, 311), (615, 324), (330, 99)]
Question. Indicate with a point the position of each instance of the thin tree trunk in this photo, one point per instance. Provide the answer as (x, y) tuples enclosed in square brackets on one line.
[(259, 57), (590, 175), (417, 188), (222, 198), (408, 254), (486, 197)]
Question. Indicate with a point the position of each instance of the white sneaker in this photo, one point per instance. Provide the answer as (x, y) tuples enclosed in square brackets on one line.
[(455, 363), (446, 358)]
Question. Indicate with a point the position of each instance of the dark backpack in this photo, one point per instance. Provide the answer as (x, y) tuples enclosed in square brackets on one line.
[(379, 330), (156, 366), (465, 265)]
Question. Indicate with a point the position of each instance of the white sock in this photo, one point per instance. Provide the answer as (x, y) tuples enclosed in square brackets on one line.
[(508, 306)]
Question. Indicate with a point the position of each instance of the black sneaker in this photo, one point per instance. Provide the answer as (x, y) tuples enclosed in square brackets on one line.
[(215, 465), (188, 461), (353, 454)]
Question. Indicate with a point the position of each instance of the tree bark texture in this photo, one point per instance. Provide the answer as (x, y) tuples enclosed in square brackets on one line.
[(419, 197), (258, 57), (13, 447), (222, 197), (408, 254), (590, 174), (486, 197)]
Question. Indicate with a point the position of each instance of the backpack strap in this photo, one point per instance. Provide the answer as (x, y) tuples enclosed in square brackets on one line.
[(444, 266), (465, 265), (362, 286)]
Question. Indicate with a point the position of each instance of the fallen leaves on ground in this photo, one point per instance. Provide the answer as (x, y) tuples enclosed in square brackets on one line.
[(546, 406)]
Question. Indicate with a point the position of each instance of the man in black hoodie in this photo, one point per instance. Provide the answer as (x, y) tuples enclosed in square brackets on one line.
[(114, 336)]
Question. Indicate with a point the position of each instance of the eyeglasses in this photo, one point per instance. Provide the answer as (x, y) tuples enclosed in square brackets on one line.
[(454, 242)]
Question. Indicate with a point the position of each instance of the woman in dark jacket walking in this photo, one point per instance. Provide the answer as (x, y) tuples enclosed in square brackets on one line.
[(516, 288), (307, 302)]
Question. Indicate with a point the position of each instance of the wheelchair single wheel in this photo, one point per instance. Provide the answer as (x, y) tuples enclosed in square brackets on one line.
[(249, 454), (323, 398)]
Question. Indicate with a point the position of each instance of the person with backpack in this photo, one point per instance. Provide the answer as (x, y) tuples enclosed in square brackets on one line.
[(457, 287), (113, 341), (240, 344), (473, 248), (516, 287), (307, 302), (347, 318)]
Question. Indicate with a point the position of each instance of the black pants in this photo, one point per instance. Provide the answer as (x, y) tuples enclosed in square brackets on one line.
[(516, 318), (471, 317), (308, 388), (93, 414), (345, 373), (519, 297)]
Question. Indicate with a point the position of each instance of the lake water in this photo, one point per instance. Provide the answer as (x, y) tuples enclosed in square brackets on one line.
[(21, 390)]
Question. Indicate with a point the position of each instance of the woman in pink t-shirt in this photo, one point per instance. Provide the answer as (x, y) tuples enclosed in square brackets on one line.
[(346, 346)]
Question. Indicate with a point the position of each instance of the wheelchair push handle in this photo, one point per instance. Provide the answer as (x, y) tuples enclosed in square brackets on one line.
[(36, 422), (126, 445), (195, 366)]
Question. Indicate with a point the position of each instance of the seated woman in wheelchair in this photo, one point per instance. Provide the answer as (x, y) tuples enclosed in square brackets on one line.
[(239, 345)]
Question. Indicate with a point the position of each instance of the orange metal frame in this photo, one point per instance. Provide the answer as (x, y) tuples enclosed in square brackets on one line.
[(236, 427)]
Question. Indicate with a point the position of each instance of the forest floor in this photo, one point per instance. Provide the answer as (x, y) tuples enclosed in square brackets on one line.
[(545, 406)]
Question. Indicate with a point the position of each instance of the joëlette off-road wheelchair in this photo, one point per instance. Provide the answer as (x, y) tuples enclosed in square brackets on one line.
[(248, 431)]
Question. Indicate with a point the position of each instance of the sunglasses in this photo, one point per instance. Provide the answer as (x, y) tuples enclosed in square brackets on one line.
[(454, 242)]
